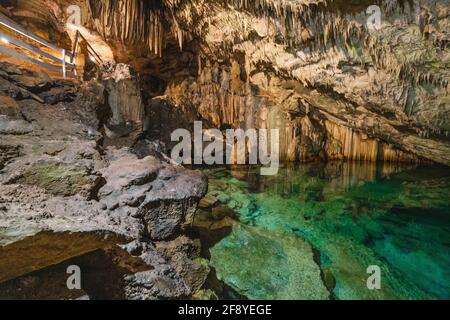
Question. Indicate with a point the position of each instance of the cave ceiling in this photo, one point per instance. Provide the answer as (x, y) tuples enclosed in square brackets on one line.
[(391, 83)]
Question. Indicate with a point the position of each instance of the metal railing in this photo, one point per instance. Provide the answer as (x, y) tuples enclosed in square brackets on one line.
[(64, 61), (93, 56)]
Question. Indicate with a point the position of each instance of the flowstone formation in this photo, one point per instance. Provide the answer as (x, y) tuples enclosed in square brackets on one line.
[(337, 85), (336, 89), (61, 185)]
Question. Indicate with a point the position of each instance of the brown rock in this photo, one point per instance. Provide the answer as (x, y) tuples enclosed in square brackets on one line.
[(207, 202), (219, 213), (32, 82), (9, 107)]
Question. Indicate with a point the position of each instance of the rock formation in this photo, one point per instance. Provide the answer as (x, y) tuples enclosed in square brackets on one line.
[(89, 158), (57, 176), (337, 86)]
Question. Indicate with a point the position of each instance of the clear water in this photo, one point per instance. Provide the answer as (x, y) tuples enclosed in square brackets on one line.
[(312, 231)]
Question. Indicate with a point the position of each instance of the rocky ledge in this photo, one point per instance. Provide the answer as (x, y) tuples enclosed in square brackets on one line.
[(58, 179)]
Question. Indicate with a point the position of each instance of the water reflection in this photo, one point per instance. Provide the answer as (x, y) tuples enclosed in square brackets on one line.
[(339, 175)]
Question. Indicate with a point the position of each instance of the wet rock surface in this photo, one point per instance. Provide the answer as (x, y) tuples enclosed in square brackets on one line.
[(58, 178), (285, 266)]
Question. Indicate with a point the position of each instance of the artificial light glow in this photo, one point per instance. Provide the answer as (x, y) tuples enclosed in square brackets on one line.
[(4, 40)]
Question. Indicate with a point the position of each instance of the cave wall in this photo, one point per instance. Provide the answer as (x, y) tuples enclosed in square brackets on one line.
[(124, 95), (336, 89), (385, 90), (225, 96)]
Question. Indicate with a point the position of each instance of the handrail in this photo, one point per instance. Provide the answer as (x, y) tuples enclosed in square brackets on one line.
[(24, 45), (12, 25), (33, 60), (91, 50), (8, 39)]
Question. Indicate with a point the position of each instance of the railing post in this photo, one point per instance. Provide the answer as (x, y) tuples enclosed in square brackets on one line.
[(75, 47), (62, 59), (64, 63)]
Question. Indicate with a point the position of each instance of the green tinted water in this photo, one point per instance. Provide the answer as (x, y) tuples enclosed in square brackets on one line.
[(312, 231)]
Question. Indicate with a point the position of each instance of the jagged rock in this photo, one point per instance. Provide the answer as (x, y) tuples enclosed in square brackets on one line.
[(260, 65), (124, 95), (9, 68), (219, 213), (158, 193), (207, 202), (58, 94), (159, 281), (7, 153), (163, 116), (334, 88), (9, 107), (14, 127), (205, 295), (56, 177), (184, 254)]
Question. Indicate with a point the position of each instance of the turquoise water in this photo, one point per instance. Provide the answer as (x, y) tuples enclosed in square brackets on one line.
[(312, 231)]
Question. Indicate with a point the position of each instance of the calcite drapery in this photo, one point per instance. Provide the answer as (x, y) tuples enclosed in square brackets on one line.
[(389, 84)]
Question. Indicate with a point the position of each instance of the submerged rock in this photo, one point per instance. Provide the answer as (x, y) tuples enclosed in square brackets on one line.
[(355, 215), (264, 264)]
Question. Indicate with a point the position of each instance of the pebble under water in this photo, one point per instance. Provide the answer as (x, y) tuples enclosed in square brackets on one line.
[(313, 230)]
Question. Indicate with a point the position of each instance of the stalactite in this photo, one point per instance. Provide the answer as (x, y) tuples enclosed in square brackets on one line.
[(346, 143), (331, 28), (131, 21)]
